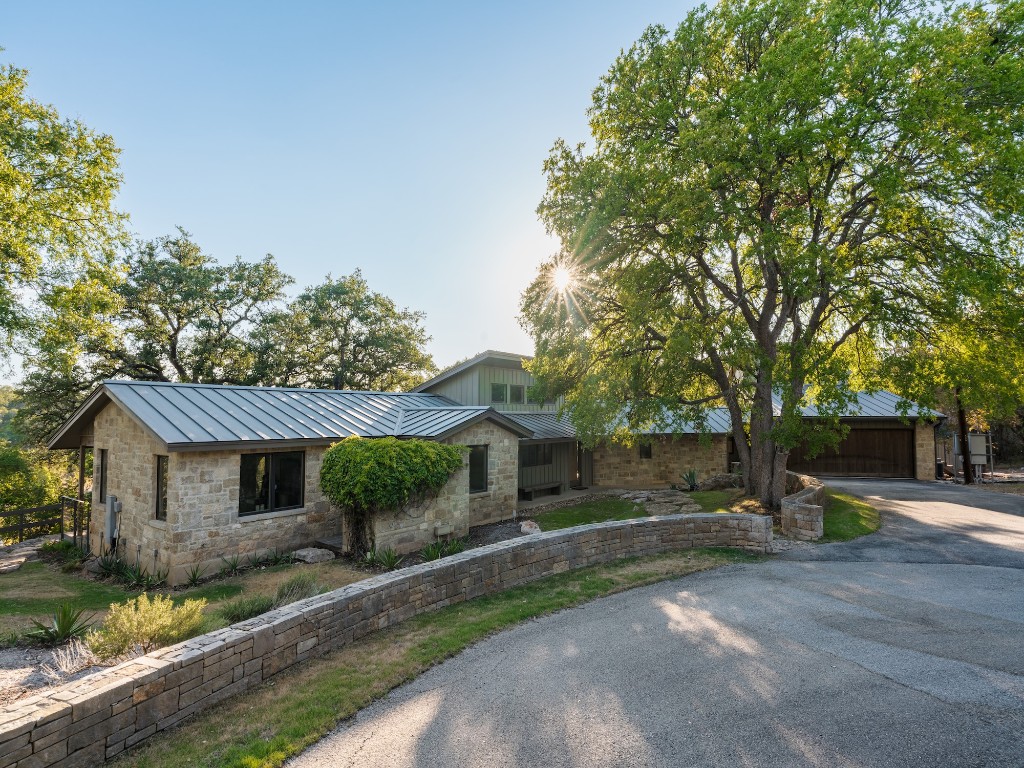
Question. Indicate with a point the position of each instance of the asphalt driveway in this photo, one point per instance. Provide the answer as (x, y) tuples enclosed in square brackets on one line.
[(899, 649)]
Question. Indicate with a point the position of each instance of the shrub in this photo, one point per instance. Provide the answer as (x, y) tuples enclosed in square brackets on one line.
[(62, 552), (298, 587), (65, 623), (246, 607), (435, 550), (386, 558), (363, 476), (145, 623)]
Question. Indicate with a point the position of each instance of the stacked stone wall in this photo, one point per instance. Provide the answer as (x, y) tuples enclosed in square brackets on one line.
[(671, 456), (924, 450), (443, 516), (88, 721), (498, 502), (803, 511), (203, 525)]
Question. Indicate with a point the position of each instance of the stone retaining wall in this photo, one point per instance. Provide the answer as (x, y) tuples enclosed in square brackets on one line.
[(85, 722), (803, 514)]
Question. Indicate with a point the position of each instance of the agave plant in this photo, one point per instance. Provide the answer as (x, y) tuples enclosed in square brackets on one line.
[(194, 575), (65, 623), (690, 479), (435, 550)]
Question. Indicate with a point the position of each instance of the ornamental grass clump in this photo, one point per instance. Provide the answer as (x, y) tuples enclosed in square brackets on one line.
[(144, 624), (365, 476)]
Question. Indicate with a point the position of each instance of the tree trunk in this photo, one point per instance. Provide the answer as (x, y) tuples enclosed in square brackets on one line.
[(965, 445)]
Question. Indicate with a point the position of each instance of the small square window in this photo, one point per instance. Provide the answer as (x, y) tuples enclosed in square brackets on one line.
[(162, 463), (516, 393), (499, 393), (645, 450)]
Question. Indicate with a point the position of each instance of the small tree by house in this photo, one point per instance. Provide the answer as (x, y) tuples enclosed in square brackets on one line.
[(365, 476)]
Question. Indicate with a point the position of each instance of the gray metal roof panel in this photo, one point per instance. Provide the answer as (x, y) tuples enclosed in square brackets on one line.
[(545, 426), (193, 416)]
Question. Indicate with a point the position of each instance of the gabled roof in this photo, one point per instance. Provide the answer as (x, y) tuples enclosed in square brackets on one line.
[(206, 416), (490, 357)]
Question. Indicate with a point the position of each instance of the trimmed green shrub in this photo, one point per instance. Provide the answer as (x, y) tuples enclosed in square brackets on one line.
[(147, 624), (364, 476)]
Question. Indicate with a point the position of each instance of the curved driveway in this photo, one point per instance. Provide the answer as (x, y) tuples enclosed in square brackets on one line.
[(903, 648)]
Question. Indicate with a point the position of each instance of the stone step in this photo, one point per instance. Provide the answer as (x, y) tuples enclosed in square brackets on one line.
[(334, 543)]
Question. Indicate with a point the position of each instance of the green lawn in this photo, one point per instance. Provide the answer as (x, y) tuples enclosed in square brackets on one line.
[(599, 511), (717, 501), (263, 727), (847, 517)]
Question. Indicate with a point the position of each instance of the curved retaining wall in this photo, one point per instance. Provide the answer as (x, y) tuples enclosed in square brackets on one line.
[(803, 513), (85, 722)]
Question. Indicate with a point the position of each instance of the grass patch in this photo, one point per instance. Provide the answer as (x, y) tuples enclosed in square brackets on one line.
[(847, 517), (37, 589), (717, 501), (1014, 488), (600, 511), (280, 718)]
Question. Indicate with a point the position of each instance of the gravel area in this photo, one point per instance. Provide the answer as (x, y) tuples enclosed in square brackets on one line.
[(22, 672)]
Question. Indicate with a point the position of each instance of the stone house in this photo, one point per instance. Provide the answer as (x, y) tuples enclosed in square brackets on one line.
[(883, 441), (185, 475)]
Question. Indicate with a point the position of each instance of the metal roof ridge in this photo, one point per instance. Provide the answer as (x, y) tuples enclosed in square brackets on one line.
[(142, 382)]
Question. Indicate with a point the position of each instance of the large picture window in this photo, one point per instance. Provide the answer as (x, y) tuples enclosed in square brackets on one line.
[(477, 468), (270, 482), (162, 463)]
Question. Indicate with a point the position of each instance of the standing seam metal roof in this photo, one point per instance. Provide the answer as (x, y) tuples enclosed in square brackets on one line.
[(203, 415)]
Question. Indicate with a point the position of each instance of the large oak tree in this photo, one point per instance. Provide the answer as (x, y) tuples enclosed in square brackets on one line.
[(766, 183)]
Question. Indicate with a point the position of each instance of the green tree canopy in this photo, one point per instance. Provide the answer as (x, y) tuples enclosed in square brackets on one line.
[(342, 335), (58, 227), (180, 315), (769, 181)]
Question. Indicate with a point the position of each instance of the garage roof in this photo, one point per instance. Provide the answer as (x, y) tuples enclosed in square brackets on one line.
[(206, 416)]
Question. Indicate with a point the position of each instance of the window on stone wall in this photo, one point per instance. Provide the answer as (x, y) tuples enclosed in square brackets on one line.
[(162, 463), (645, 451), (269, 482), (499, 393), (103, 476), (516, 393), (477, 468), (535, 455)]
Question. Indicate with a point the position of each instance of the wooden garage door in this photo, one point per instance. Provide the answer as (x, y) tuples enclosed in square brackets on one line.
[(864, 453)]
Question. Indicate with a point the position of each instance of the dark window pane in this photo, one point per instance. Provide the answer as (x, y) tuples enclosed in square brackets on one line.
[(161, 487), (516, 393), (477, 468), (287, 471), (103, 475), (645, 450), (254, 484), (498, 393)]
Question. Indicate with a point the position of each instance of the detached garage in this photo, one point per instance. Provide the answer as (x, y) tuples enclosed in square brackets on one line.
[(879, 443)]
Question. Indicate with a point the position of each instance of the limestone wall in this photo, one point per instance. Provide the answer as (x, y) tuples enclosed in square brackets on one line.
[(443, 516), (498, 502), (671, 456), (924, 450), (90, 720), (803, 511), (203, 524)]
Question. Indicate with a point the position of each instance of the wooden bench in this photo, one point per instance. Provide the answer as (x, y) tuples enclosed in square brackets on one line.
[(526, 494)]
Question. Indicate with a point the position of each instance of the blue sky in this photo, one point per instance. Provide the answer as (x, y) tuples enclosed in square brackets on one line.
[(405, 139)]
